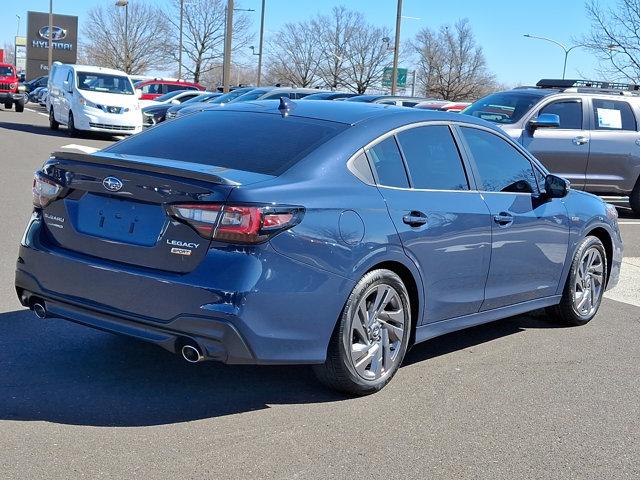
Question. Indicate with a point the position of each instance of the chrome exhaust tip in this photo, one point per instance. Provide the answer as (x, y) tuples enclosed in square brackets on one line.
[(39, 310), (192, 354)]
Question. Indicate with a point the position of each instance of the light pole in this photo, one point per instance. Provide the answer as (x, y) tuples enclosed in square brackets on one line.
[(566, 50), (50, 35), (180, 42), (18, 29), (125, 4), (396, 49), (226, 64), (261, 44)]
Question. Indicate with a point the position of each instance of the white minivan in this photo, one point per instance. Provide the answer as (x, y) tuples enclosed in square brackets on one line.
[(93, 99)]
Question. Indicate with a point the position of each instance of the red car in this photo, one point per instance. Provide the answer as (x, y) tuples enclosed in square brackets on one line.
[(10, 94), (154, 88)]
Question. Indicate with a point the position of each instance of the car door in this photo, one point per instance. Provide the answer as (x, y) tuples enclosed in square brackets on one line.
[(530, 234), (614, 156), (563, 150), (443, 225), (67, 96)]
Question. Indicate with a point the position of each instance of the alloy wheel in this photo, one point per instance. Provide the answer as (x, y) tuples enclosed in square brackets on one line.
[(376, 332), (589, 282)]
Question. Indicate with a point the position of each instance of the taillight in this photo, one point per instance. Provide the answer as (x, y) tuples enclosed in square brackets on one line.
[(45, 190), (237, 223)]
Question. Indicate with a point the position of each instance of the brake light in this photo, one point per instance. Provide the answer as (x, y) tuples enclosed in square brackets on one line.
[(237, 223), (45, 190)]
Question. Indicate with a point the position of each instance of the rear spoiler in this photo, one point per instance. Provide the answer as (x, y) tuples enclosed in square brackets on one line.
[(166, 166)]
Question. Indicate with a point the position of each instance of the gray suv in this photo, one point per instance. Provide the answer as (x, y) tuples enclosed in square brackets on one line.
[(587, 132)]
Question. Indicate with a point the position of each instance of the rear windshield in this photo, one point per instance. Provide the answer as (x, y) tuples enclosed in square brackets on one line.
[(507, 107), (253, 142)]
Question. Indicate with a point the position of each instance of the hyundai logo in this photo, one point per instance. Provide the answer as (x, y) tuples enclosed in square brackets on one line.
[(112, 184), (57, 33)]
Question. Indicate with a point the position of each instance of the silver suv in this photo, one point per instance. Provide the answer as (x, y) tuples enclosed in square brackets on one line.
[(587, 132)]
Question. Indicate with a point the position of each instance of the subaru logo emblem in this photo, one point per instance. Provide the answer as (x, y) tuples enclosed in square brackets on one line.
[(57, 33), (112, 184)]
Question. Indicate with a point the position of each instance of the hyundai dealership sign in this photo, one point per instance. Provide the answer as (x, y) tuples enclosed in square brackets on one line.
[(64, 40)]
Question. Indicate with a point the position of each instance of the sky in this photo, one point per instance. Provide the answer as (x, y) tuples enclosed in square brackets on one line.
[(498, 25)]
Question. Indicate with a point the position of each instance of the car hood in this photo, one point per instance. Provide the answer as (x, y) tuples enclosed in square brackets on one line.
[(163, 107), (110, 99), (8, 79)]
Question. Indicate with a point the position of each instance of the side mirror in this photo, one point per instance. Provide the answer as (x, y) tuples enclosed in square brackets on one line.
[(175, 102), (66, 86), (138, 93), (545, 120), (556, 187)]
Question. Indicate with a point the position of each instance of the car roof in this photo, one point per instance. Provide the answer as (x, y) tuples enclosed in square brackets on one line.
[(350, 113), (93, 69)]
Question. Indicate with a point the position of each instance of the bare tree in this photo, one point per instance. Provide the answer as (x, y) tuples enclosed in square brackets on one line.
[(9, 53), (366, 56), (108, 43), (294, 55), (615, 38), (203, 35), (334, 33), (451, 65)]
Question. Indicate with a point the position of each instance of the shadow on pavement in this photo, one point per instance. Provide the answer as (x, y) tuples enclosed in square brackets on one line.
[(57, 371), (45, 130)]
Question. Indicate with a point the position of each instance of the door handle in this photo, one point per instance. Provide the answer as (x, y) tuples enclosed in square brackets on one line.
[(580, 140), (415, 219), (503, 219)]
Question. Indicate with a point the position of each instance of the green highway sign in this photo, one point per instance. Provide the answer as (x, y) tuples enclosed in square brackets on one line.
[(387, 75)]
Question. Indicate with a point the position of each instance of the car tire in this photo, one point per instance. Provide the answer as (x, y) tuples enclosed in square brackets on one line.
[(634, 198), (371, 337), (53, 124), (585, 285), (71, 126), (7, 105), (19, 106)]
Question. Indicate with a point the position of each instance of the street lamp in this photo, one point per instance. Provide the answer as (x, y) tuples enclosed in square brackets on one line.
[(125, 4), (566, 50), (18, 29), (226, 63)]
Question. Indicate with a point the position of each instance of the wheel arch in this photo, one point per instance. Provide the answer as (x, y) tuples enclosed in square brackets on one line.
[(409, 280), (603, 235)]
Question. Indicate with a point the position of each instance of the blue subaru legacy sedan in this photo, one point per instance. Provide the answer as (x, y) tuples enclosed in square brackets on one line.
[(336, 234)]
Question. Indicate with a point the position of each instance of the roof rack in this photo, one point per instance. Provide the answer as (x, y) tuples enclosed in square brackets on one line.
[(590, 86)]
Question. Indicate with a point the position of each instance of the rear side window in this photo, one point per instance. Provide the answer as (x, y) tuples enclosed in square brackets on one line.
[(152, 88), (253, 142), (502, 168), (386, 161), (613, 115), (569, 111), (173, 88), (432, 158)]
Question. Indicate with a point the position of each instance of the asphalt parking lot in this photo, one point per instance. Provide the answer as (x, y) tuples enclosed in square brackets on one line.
[(519, 398)]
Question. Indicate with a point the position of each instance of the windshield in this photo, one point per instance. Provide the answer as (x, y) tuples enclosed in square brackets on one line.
[(362, 98), (169, 96), (101, 82), (201, 98), (506, 107), (6, 72), (252, 95)]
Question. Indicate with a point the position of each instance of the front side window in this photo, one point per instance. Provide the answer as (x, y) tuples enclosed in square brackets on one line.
[(613, 115), (104, 83), (387, 163), (569, 111), (432, 158), (502, 168)]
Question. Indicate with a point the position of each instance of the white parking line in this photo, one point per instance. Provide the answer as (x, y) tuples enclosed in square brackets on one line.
[(34, 111), (628, 289), (629, 222)]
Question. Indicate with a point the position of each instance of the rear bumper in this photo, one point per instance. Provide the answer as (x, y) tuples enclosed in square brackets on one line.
[(241, 307)]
